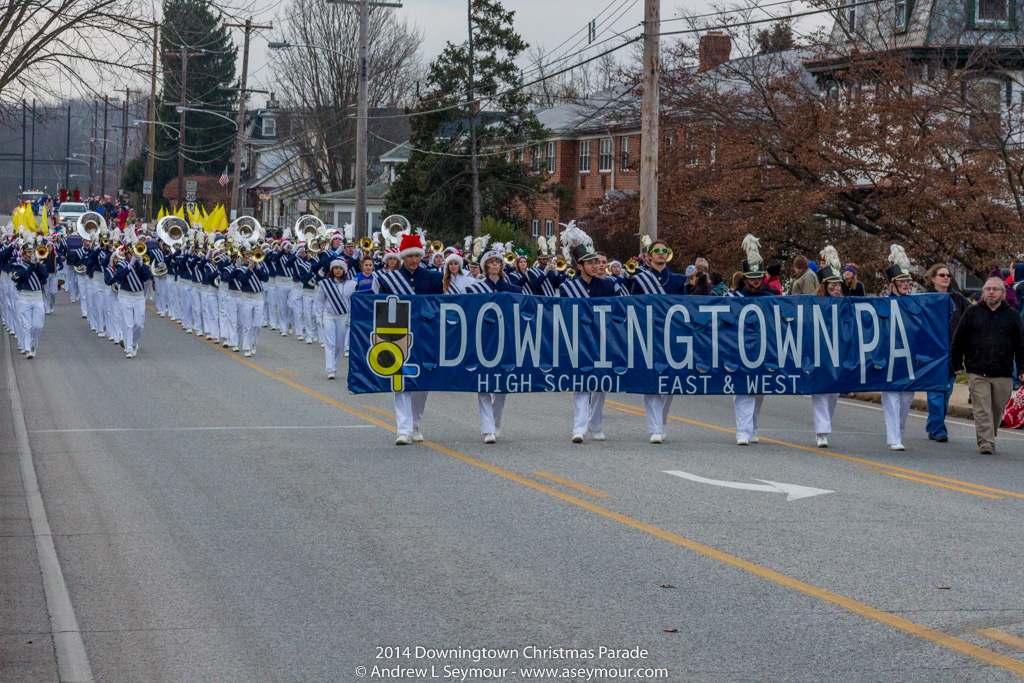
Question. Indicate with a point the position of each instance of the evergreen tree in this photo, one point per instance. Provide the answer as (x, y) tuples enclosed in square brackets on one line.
[(196, 25), (434, 188)]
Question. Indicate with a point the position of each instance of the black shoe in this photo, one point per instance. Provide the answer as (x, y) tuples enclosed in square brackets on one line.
[(931, 437), (942, 438)]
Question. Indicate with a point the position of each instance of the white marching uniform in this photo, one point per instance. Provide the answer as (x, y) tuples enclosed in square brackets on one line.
[(896, 408), (824, 407), (332, 306), (131, 298), (747, 409)]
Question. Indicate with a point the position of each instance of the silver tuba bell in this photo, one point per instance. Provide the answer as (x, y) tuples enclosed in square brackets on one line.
[(248, 227), (90, 225), (172, 230), (308, 228), (393, 227)]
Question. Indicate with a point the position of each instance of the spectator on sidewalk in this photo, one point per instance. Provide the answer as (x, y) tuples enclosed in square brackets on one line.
[(806, 281), (987, 340), (939, 279), (851, 287)]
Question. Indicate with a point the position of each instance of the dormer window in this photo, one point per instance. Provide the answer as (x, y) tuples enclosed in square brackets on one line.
[(851, 18), (900, 20), (269, 127), (992, 12)]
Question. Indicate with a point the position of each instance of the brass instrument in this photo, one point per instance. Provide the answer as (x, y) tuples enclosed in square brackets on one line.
[(90, 225), (393, 227), (258, 256), (105, 241), (171, 231), (631, 266), (308, 227), (510, 258), (145, 260), (571, 272), (139, 249), (366, 244), (608, 270), (42, 251), (247, 226), (436, 246), (560, 264)]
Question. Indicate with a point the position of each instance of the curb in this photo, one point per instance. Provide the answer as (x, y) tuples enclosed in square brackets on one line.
[(919, 403)]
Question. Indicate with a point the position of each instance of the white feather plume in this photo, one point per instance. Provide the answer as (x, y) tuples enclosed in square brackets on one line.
[(422, 235), (898, 257), (350, 232), (542, 244), (478, 246), (287, 234), (552, 244), (752, 248), (573, 237), (645, 243), (468, 244), (485, 240), (830, 257), (566, 254)]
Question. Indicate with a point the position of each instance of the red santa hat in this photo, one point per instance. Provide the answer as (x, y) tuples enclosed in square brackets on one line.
[(411, 245), (391, 253)]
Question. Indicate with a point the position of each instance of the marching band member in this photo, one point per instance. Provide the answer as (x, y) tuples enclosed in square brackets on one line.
[(364, 279), (307, 276), (491, 404), (824, 405), (410, 278), (298, 263), (29, 277), (229, 327), (657, 280), (543, 278), (454, 281), (196, 290), (132, 275), (54, 264), (161, 283), (185, 283), (331, 305), (896, 404), (9, 257), (588, 406), (391, 260), (99, 258), (351, 256), (82, 278), (115, 330), (748, 408), (285, 270), (251, 278), (209, 294)]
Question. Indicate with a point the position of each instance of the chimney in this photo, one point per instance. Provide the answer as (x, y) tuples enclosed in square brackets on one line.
[(714, 50)]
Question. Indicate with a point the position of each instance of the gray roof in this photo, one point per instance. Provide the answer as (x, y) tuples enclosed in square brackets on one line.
[(376, 191), (397, 154), (610, 108)]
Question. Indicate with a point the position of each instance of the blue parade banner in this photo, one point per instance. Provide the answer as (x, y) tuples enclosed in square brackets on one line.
[(510, 343)]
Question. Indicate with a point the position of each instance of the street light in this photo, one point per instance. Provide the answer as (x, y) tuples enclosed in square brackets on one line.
[(82, 154), (159, 123), (361, 228), (180, 109)]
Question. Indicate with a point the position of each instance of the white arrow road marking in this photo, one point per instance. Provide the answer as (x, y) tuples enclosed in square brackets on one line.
[(792, 491)]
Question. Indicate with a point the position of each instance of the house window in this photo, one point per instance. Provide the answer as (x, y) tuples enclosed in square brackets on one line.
[(851, 18), (549, 227), (536, 227), (269, 127), (624, 153), (984, 107), (538, 158), (692, 155), (991, 11), (604, 155), (551, 157), (584, 156), (901, 14)]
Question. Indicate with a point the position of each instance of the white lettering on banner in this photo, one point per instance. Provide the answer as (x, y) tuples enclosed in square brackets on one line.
[(499, 325), (742, 342), (831, 342), (602, 361), (571, 341), (528, 340), (444, 361), (865, 349), (687, 341), (786, 344), (646, 345), (714, 311), (896, 324)]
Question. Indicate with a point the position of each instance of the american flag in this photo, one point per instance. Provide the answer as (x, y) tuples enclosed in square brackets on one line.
[(224, 178)]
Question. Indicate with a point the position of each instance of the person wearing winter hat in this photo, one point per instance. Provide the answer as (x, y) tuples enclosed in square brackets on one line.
[(29, 277), (748, 408), (589, 282), (454, 281), (331, 307), (544, 278), (824, 405), (410, 278), (896, 404), (251, 278), (806, 281)]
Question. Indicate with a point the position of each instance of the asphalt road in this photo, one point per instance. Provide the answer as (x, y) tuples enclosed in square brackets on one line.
[(227, 519)]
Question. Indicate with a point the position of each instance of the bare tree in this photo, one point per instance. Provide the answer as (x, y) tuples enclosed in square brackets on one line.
[(584, 78), (45, 43), (319, 87)]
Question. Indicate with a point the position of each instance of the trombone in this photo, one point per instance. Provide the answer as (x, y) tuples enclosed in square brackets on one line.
[(560, 264), (258, 255), (436, 246), (139, 249), (366, 244), (510, 257), (631, 266), (42, 251)]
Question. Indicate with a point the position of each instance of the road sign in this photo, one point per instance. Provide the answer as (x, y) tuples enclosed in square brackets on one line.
[(302, 206), (191, 185), (191, 206), (792, 491), (147, 187), (247, 211)]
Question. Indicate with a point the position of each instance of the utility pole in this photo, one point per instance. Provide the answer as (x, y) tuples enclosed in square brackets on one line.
[(124, 139), (24, 150), (236, 200), (32, 166), (67, 154), (185, 54), (474, 167), (103, 163), (649, 110), (92, 144), (151, 117)]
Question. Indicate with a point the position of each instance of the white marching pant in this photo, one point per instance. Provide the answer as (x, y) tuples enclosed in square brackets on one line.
[(747, 409), (334, 337), (657, 406), (310, 319), (97, 304), (133, 318), (229, 326), (72, 284), (588, 411), (196, 301), (50, 293), (409, 407), (82, 284), (160, 287), (284, 312), (295, 306), (211, 313), (272, 316), (185, 303), (113, 315), (896, 407), (491, 407), (824, 407), (31, 313), (250, 315)]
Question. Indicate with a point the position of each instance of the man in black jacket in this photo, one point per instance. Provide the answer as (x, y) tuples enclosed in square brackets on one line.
[(986, 341)]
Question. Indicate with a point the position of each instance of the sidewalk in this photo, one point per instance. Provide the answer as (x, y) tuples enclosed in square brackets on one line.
[(958, 405)]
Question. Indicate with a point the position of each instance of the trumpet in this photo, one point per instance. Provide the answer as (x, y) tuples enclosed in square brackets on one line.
[(436, 246), (258, 256), (366, 244), (145, 260), (570, 272), (608, 270), (510, 258), (631, 266), (42, 251), (139, 249), (560, 264)]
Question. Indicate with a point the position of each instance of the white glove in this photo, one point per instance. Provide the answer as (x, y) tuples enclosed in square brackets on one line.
[(550, 268)]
